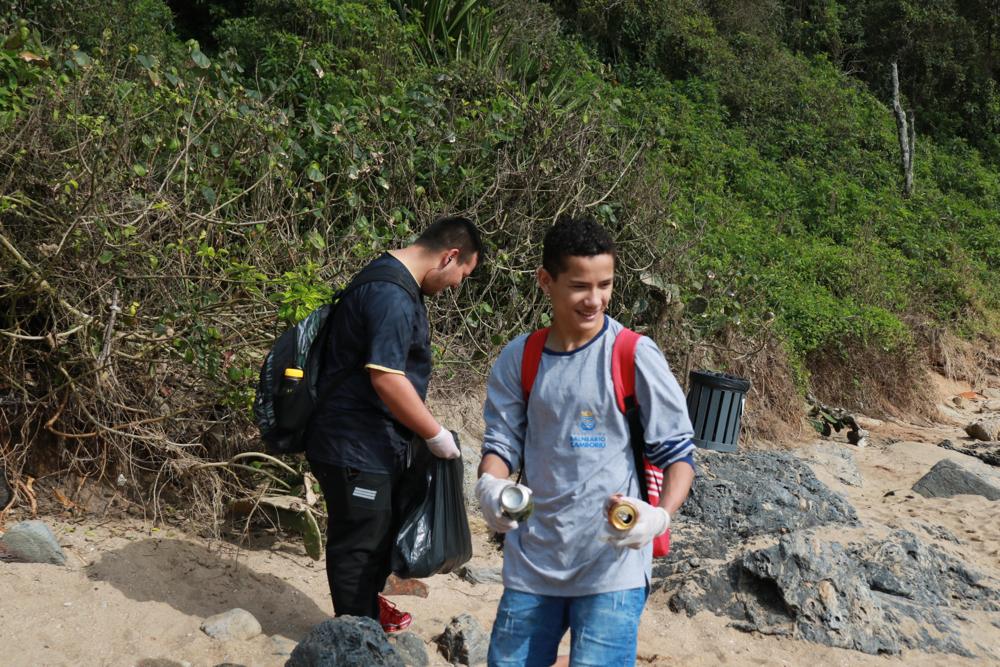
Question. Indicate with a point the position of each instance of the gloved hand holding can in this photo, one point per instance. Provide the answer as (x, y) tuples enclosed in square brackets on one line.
[(494, 493), (632, 522)]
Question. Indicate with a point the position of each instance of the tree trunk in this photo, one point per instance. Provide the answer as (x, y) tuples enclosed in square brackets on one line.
[(906, 132)]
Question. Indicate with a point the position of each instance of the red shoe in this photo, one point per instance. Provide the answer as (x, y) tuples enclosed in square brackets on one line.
[(391, 618)]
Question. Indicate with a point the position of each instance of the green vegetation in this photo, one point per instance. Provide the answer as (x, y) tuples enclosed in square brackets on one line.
[(180, 180)]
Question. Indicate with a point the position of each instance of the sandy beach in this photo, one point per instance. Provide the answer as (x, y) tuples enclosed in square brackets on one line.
[(134, 593)]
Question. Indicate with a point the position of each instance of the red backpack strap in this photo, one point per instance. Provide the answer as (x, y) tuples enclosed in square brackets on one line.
[(623, 366), (531, 359)]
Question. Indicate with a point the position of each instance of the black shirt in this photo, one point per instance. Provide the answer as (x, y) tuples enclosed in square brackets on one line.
[(377, 325)]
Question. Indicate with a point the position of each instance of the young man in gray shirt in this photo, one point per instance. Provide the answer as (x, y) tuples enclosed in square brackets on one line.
[(564, 566)]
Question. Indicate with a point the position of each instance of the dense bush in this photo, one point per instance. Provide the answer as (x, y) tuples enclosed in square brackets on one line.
[(176, 190)]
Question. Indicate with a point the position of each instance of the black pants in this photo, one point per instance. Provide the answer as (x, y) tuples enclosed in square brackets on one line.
[(364, 517)]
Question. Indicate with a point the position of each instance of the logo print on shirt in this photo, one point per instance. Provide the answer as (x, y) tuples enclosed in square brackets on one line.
[(588, 438)]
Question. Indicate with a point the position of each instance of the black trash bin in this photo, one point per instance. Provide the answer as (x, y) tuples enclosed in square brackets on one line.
[(715, 404)]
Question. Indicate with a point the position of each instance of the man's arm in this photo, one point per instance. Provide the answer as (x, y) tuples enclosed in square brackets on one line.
[(494, 465), (677, 480), (398, 394)]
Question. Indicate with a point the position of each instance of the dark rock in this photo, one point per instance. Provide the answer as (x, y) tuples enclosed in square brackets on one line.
[(880, 596), (463, 642), (746, 495), (5, 494), (410, 648), (987, 452), (951, 478), (33, 542), (345, 641)]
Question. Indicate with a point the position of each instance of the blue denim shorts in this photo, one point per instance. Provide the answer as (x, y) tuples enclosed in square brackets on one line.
[(603, 628)]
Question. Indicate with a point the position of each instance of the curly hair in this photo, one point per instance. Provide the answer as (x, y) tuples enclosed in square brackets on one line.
[(574, 237)]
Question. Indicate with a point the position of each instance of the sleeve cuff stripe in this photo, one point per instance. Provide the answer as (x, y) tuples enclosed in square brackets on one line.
[(667, 454), (376, 367)]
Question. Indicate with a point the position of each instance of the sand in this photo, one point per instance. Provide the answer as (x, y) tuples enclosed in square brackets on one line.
[(134, 593)]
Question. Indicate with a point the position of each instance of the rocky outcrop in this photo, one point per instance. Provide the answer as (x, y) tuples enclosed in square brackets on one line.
[(803, 578), (746, 495), (878, 596), (987, 452), (952, 478), (345, 641)]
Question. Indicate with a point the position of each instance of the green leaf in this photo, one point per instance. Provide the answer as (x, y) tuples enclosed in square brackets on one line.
[(315, 239), (106, 257), (139, 170), (209, 195), (314, 173), (200, 59), (82, 59)]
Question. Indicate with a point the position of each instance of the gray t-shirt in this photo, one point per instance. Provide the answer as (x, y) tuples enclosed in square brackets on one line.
[(573, 443)]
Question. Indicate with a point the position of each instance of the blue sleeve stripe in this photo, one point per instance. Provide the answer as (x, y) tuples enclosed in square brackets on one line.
[(689, 459), (666, 453)]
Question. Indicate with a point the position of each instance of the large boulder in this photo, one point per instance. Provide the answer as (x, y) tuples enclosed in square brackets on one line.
[(33, 542), (345, 641), (951, 478), (878, 596), (741, 496), (984, 429)]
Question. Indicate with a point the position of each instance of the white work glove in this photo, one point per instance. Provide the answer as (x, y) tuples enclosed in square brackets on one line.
[(488, 490), (650, 522), (443, 445)]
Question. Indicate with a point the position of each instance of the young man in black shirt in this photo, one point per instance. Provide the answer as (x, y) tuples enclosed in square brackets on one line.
[(375, 376)]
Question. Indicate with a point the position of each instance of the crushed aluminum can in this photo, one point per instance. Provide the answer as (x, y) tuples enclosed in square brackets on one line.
[(516, 502)]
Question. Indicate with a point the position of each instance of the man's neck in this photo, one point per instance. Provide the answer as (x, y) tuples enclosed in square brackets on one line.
[(415, 261), (566, 341)]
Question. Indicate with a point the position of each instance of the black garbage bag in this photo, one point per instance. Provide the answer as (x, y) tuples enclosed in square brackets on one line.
[(434, 537)]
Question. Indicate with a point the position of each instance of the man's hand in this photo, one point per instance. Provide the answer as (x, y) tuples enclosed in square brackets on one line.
[(443, 445), (650, 522), (488, 490)]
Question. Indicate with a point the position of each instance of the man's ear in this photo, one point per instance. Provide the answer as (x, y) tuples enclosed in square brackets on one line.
[(544, 279), (449, 256)]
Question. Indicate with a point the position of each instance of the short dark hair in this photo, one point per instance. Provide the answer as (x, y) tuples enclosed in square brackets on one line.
[(574, 237), (452, 232)]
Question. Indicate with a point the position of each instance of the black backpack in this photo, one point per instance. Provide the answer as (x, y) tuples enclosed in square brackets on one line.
[(283, 416)]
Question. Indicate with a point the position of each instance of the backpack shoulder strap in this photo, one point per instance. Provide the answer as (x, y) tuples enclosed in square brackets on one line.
[(383, 274), (531, 359), (623, 367), (623, 378)]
